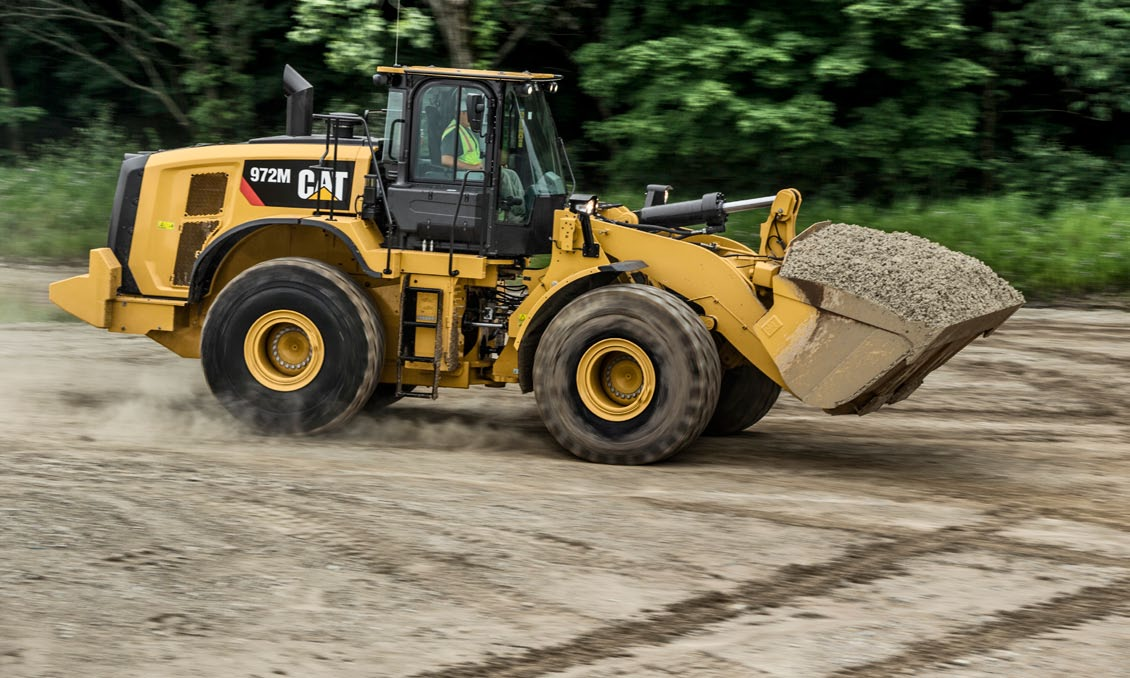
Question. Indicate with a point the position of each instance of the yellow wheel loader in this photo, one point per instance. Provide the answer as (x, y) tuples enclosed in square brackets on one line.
[(319, 274)]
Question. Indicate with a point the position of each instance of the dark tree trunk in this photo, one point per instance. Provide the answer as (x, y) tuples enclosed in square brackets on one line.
[(454, 19), (989, 96), (15, 135)]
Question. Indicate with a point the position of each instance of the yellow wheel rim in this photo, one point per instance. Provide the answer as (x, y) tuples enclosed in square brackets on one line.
[(283, 350), (615, 379)]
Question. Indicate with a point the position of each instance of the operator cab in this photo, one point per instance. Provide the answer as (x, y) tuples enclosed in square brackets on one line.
[(472, 160)]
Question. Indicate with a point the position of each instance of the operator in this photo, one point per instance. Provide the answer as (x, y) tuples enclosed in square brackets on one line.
[(470, 150)]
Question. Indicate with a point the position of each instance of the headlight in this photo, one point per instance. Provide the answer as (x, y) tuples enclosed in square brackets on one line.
[(583, 203)]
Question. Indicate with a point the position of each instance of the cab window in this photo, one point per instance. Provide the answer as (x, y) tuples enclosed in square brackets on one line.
[(447, 148)]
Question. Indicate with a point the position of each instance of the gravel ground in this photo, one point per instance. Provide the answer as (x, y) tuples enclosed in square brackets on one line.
[(976, 529)]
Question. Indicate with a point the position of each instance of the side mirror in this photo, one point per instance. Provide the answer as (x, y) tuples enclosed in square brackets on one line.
[(476, 106)]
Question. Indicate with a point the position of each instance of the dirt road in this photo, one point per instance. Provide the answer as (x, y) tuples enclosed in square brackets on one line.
[(978, 529)]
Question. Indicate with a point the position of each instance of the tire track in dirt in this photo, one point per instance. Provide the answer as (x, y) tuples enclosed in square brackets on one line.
[(854, 470), (983, 540), (1078, 354), (1072, 609), (609, 558), (857, 565), (464, 580), (1072, 397), (858, 471), (460, 578), (1083, 332), (1007, 546)]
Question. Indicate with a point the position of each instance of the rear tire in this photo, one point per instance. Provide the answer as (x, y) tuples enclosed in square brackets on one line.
[(292, 345), (626, 374), (746, 396)]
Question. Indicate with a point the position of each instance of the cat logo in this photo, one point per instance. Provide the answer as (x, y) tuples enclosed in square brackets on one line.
[(297, 183), (331, 186)]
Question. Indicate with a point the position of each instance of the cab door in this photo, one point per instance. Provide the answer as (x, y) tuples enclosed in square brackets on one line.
[(446, 196)]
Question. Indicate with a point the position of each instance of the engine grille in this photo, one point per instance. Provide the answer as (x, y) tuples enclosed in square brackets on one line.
[(192, 237), (206, 194)]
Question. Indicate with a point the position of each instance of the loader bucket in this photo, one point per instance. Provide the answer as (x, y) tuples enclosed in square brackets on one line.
[(848, 354)]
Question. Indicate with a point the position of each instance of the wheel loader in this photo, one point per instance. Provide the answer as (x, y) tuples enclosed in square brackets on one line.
[(333, 269)]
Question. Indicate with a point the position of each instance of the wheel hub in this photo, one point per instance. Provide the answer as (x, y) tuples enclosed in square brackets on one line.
[(290, 348), (623, 377), (283, 350), (616, 379)]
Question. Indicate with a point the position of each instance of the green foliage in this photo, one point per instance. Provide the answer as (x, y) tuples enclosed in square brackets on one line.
[(188, 68), (962, 119), (218, 40), (499, 27), (57, 205), (1079, 45), (355, 33), (1060, 98), (16, 114), (871, 93)]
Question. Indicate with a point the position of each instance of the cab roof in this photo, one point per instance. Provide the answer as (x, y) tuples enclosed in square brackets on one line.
[(435, 71)]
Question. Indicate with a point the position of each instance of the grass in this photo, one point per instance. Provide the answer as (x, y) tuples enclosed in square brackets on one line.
[(58, 207), (55, 210), (1075, 249), (57, 202)]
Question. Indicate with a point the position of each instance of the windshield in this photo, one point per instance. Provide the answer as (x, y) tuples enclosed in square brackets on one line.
[(530, 141)]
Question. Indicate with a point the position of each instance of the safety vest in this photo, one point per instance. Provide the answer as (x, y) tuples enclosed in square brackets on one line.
[(468, 144)]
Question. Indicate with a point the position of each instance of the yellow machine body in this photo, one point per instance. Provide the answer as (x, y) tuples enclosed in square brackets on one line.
[(189, 222), (831, 353)]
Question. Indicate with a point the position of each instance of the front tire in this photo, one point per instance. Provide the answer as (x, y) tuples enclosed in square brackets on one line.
[(292, 345), (626, 374)]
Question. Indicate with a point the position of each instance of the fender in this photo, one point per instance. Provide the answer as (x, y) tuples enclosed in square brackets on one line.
[(595, 276), (206, 265), (701, 277), (527, 335)]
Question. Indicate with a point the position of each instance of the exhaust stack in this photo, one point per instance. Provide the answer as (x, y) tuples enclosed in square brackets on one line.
[(299, 103)]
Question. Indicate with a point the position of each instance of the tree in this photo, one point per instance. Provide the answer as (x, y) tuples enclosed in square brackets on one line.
[(1060, 99), (357, 33), (192, 59), (221, 43), (11, 113), (128, 43), (863, 97), (501, 26), (454, 19)]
